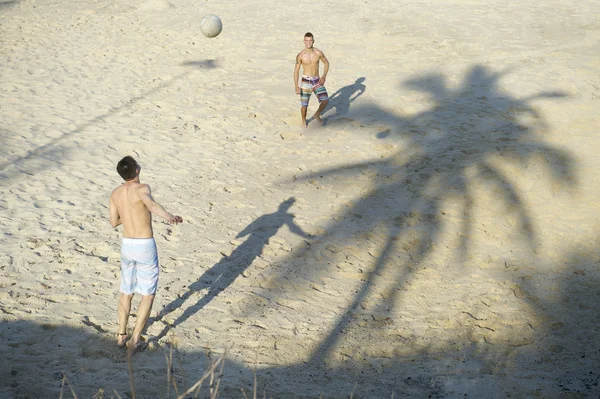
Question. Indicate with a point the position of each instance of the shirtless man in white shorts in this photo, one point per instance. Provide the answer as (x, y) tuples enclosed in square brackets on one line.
[(131, 204)]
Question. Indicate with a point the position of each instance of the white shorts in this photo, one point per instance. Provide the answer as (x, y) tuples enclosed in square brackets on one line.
[(139, 266)]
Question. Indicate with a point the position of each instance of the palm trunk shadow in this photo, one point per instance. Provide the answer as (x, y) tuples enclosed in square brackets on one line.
[(397, 233)]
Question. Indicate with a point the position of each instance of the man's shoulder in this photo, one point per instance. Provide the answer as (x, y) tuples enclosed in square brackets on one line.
[(116, 191), (142, 187), (135, 186), (140, 191)]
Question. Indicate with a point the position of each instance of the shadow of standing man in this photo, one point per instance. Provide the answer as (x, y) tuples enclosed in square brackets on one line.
[(341, 99), (223, 273)]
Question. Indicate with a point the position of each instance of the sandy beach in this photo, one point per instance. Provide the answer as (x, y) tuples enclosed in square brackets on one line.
[(438, 237)]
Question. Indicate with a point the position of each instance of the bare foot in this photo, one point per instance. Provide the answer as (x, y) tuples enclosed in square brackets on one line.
[(133, 348), (304, 124), (318, 118), (121, 340)]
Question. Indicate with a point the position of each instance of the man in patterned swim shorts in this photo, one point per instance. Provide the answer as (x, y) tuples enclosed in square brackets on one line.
[(132, 205), (311, 81)]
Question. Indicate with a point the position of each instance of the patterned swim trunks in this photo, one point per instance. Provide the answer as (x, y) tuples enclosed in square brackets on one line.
[(311, 84), (139, 266)]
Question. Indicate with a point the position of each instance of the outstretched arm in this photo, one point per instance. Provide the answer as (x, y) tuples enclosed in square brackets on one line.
[(354, 96), (294, 228), (297, 74), (155, 208)]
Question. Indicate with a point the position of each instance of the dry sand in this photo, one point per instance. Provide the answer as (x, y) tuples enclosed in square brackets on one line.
[(438, 238)]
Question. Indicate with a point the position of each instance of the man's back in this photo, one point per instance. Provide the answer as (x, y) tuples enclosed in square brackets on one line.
[(131, 205), (134, 215)]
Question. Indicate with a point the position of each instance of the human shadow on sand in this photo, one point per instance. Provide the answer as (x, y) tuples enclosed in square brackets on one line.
[(216, 279), (339, 102)]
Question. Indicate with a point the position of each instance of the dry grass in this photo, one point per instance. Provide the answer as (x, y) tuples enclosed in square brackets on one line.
[(210, 380)]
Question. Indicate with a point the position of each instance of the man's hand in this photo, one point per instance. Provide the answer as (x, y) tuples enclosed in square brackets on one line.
[(321, 81), (173, 219), (297, 90)]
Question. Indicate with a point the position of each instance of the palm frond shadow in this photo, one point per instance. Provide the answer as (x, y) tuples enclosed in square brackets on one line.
[(446, 150)]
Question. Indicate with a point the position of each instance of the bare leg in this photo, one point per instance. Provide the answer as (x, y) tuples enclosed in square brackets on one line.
[(320, 109), (143, 312), (124, 309), (303, 113)]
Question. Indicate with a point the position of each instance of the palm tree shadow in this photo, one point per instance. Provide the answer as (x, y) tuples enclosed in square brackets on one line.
[(216, 279), (447, 151)]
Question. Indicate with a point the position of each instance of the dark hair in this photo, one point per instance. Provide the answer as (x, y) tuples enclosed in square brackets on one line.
[(308, 34), (127, 168)]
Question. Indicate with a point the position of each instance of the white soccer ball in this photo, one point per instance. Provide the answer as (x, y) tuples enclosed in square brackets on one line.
[(211, 26)]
